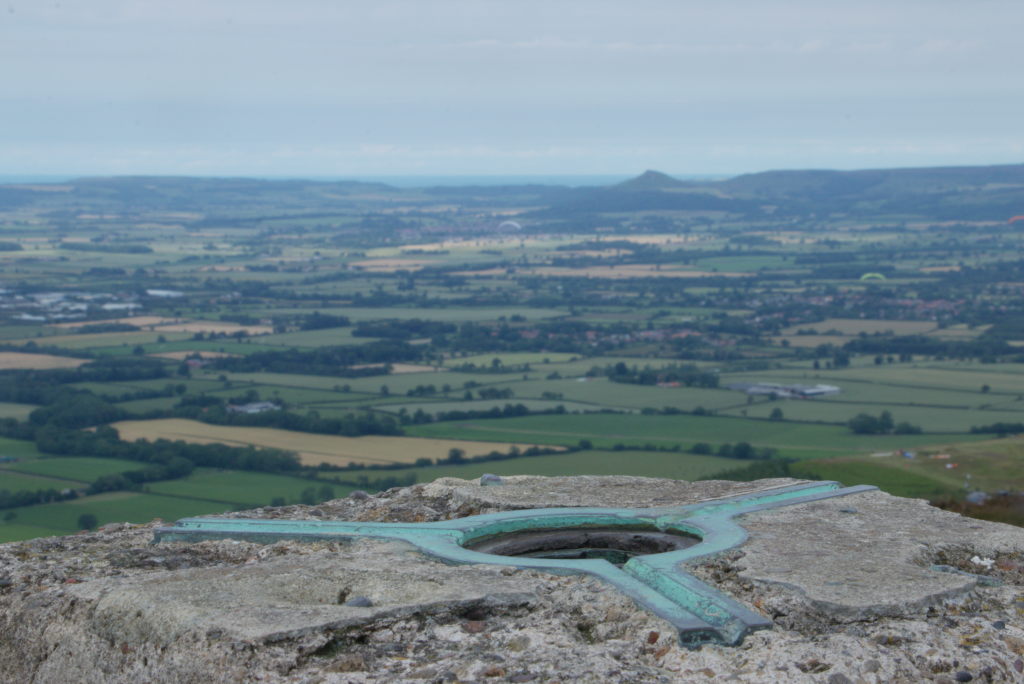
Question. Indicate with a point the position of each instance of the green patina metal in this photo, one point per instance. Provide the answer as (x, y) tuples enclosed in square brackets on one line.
[(658, 581)]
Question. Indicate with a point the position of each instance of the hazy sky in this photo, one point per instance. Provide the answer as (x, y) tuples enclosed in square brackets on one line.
[(340, 87)]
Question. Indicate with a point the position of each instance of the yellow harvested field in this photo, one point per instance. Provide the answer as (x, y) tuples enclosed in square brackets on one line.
[(216, 327), (182, 355), (137, 321), (415, 368), (17, 360), (312, 449), (855, 326)]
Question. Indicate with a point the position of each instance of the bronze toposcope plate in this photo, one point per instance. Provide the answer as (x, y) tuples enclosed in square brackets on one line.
[(643, 552)]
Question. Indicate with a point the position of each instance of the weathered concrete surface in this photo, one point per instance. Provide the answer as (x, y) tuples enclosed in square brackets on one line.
[(846, 581), (587, 490), (869, 555)]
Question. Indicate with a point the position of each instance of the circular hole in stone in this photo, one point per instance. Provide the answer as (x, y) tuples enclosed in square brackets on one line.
[(613, 544)]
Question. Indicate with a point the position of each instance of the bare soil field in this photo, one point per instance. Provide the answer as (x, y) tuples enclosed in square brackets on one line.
[(18, 360), (312, 449)]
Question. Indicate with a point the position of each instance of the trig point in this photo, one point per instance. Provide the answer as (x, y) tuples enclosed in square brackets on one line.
[(529, 579)]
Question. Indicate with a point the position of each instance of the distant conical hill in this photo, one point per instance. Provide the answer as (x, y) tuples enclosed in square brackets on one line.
[(651, 180)]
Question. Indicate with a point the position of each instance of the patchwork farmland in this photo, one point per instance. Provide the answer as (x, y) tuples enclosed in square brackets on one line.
[(198, 350)]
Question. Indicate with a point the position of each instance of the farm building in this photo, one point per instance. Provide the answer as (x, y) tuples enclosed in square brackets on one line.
[(254, 407), (784, 391)]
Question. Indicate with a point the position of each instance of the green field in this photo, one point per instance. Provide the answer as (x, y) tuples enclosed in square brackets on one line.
[(100, 340), (400, 383), (361, 402), (296, 396), (15, 531), (1004, 378), (855, 326), (680, 466), (946, 471), (243, 381), (856, 390), (435, 407), (571, 369), (512, 359), (238, 488), (18, 411), (192, 386), (146, 405), (14, 481), (79, 468), (741, 263), (18, 448), (62, 518), (314, 338), (230, 346), (930, 419), (603, 392), (453, 314), (791, 439), (890, 479)]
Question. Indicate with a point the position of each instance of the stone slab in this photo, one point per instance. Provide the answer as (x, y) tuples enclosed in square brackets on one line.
[(847, 583)]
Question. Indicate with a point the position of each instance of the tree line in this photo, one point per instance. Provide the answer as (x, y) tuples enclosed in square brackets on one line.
[(335, 361), (684, 374)]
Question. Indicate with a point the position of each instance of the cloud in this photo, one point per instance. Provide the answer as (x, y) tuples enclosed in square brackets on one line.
[(457, 85)]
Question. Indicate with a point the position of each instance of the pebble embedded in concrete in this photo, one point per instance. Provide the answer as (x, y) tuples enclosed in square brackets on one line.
[(359, 602)]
